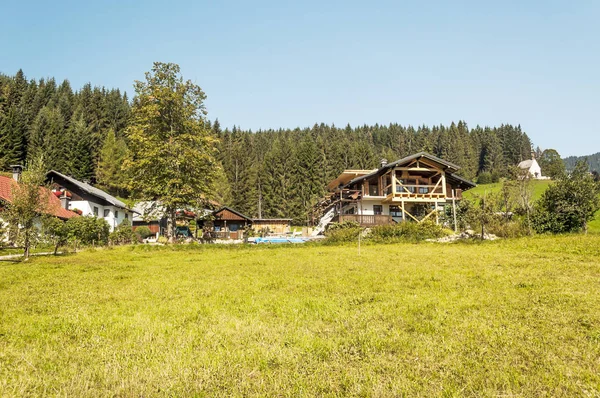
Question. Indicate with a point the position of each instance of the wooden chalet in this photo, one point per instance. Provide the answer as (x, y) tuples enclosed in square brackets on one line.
[(228, 223), (415, 188)]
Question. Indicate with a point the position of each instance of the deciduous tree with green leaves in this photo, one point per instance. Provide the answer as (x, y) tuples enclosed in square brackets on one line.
[(29, 203), (552, 164), (172, 154), (570, 204)]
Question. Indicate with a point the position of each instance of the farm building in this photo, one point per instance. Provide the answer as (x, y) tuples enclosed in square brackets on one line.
[(228, 223), (53, 207), (415, 188), (87, 200)]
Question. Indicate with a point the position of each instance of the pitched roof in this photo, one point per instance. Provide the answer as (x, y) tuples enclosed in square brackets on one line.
[(267, 220), (54, 206), (451, 167), (526, 164), (91, 190), (233, 211)]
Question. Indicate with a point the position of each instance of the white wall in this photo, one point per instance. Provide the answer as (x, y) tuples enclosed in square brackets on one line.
[(87, 209), (535, 169)]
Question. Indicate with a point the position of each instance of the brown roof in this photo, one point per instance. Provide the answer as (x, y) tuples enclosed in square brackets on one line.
[(54, 207), (227, 213)]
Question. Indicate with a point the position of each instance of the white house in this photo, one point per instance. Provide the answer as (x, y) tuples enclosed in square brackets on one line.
[(87, 200), (53, 206), (533, 168)]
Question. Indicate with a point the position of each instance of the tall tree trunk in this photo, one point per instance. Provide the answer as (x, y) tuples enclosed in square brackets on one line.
[(27, 244), (171, 225)]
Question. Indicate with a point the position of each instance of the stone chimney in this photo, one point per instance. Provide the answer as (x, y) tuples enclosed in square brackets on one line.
[(17, 169), (383, 163)]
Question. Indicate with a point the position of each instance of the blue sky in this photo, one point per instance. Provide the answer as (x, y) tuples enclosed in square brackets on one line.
[(287, 64)]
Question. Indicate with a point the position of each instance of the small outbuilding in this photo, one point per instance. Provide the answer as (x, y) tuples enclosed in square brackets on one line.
[(228, 223), (276, 226)]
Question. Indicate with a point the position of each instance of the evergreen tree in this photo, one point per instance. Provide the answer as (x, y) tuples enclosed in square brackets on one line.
[(109, 173), (11, 139)]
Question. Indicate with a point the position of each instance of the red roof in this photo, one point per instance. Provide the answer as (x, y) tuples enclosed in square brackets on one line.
[(54, 206)]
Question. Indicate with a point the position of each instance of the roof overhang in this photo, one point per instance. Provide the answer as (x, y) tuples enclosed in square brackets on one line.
[(346, 176)]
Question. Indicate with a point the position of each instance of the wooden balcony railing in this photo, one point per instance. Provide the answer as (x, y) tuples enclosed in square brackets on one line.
[(365, 220)]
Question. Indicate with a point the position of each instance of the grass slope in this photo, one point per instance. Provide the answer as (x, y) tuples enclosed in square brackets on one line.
[(539, 186), (510, 318)]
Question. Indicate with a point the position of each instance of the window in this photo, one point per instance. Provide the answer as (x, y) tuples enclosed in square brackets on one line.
[(233, 227), (423, 190), (106, 213), (377, 209), (395, 211), (95, 211), (126, 216), (116, 214)]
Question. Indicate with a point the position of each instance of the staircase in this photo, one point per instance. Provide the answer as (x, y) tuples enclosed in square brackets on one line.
[(325, 220)]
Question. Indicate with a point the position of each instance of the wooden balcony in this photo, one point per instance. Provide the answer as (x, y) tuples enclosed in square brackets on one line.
[(364, 220)]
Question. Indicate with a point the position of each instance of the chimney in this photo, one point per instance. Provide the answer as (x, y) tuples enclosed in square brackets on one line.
[(17, 169), (64, 200), (383, 163)]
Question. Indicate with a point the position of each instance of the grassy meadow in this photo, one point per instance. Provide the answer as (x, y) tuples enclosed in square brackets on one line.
[(505, 318), (539, 186)]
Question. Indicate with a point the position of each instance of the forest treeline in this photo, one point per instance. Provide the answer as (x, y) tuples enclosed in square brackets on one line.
[(592, 160), (267, 173)]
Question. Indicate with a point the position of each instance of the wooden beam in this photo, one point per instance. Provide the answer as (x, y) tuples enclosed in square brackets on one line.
[(403, 212), (443, 180)]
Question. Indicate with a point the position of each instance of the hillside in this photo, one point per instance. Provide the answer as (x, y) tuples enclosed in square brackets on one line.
[(539, 186), (593, 161)]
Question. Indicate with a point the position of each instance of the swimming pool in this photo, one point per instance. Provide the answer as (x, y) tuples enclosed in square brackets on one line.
[(279, 239)]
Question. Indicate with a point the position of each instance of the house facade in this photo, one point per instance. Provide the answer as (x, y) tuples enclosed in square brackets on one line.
[(53, 205), (415, 188), (86, 200)]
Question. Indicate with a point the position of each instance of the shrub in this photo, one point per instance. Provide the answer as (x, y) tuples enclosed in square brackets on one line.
[(485, 177), (342, 235), (88, 230), (508, 229), (495, 177), (409, 231), (343, 225), (143, 232), (568, 205), (123, 235)]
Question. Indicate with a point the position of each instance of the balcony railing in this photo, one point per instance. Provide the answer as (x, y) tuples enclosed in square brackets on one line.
[(417, 191), (367, 220)]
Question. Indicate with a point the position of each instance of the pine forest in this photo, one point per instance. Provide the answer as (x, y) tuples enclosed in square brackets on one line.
[(265, 173)]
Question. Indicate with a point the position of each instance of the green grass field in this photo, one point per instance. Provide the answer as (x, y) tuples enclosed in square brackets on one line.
[(539, 186), (506, 318)]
